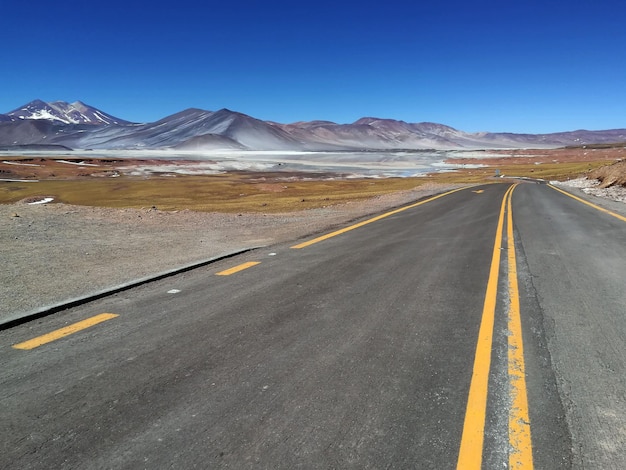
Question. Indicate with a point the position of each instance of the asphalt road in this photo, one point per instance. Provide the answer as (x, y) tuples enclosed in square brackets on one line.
[(394, 344)]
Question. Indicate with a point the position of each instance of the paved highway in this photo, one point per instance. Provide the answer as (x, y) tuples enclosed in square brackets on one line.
[(482, 328)]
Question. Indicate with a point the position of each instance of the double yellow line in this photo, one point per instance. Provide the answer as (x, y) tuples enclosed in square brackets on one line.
[(472, 441)]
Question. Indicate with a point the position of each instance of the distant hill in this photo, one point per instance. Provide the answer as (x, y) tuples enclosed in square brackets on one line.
[(80, 126)]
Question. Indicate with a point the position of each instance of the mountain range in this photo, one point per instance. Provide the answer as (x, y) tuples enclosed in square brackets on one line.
[(40, 124)]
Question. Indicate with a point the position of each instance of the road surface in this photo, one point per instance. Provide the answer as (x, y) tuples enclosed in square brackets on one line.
[(482, 328)]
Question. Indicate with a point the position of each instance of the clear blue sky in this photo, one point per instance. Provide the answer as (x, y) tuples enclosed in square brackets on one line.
[(519, 66)]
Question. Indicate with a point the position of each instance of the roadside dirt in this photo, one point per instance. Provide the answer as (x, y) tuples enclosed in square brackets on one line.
[(54, 252), (613, 175)]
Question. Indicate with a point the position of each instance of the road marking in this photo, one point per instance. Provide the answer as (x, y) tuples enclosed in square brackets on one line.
[(471, 450), (602, 209), (479, 191), (238, 268), (66, 331), (369, 221), (521, 450)]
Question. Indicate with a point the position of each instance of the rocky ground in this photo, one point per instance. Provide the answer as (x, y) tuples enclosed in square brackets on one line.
[(54, 252), (594, 187)]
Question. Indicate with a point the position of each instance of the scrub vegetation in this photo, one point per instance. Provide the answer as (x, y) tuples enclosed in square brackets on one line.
[(224, 193), (105, 183)]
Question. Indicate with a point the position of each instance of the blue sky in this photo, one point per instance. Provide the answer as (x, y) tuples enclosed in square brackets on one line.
[(517, 66)]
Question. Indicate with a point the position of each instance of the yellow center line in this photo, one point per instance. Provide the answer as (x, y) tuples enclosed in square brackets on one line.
[(521, 451), (471, 450), (68, 330), (369, 221), (601, 209), (237, 268)]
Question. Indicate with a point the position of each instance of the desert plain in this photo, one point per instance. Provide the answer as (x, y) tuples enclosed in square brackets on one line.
[(76, 225)]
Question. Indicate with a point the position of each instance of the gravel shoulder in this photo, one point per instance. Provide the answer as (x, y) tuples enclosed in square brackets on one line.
[(612, 198), (52, 253)]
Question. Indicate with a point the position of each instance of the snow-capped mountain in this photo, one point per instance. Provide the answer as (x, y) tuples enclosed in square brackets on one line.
[(66, 113), (80, 126)]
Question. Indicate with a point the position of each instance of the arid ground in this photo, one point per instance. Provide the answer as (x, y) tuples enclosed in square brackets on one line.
[(179, 185), (74, 226)]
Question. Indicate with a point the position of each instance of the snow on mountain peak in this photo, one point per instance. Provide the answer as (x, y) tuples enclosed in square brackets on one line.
[(79, 125), (66, 113)]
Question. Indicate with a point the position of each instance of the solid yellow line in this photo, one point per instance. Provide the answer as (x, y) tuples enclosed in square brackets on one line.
[(238, 268), (602, 209), (369, 221), (68, 330), (521, 450), (471, 450)]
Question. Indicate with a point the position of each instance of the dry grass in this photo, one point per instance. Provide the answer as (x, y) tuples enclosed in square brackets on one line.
[(546, 171), (227, 193), (241, 192)]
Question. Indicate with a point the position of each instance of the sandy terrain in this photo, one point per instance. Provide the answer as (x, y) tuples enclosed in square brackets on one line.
[(54, 252)]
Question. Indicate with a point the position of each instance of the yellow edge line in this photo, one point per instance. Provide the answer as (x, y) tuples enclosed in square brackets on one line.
[(602, 209), (471, 450), (369, 221), (238, 268), (521, 451), (68, 330)]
